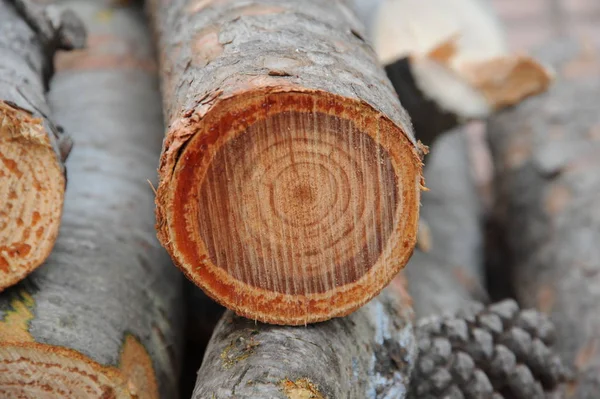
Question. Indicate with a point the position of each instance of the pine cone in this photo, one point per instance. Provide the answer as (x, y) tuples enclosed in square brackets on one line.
[(497, 352)]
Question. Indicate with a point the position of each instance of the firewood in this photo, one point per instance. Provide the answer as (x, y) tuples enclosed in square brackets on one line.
[(32, 148), (290, 177), (545, 155), (446, 271), (102, 318), (202, 316), (448, 60), (366, 355), (450, 281)]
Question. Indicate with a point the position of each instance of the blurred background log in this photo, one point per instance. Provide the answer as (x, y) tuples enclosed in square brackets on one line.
[(446, 271), (545, 155), (290, 177), (103, 317)]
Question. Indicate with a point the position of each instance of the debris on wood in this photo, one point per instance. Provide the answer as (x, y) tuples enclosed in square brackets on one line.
[(449, 60)]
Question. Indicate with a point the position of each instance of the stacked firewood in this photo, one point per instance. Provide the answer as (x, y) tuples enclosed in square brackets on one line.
[(233, 199)]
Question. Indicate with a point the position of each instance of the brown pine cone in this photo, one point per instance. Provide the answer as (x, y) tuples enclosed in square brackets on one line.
[(496, 352)]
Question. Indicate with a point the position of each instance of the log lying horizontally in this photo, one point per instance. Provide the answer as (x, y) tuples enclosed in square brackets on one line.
[(546, 156), (102, 318), (366, 355), (32, 148), (448, 60), (290, 177), (446, 271)]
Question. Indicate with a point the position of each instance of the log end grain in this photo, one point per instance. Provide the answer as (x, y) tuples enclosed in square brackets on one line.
[(32, 185), (289, 205), (33, 369)]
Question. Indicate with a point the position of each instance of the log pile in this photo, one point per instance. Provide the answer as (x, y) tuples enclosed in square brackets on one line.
[(328, 254), (102, 318)]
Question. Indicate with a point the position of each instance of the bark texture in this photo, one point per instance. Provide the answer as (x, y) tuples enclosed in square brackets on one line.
[(368, 354), (32, 148), (103, 317), (290, 177), (448, 60), (546, 157), (446, 270)]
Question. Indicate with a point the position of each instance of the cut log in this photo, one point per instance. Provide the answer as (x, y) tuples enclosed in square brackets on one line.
[(448, 60), (290, 176), (446, 271), (32, 148), (102, 318), (366, 355), (546, 157)]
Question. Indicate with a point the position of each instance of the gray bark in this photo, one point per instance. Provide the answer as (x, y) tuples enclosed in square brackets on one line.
[(366, 355), (103, 316), (32, 148), (445, 272), (546, 156)]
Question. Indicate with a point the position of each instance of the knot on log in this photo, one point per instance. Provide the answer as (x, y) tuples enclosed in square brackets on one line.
[(494, 352)]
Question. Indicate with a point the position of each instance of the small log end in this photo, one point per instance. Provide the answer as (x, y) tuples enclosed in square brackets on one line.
[(289, 206), (32, 185)]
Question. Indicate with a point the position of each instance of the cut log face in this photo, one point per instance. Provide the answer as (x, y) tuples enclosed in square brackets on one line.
[(32, 180), (102, 318), (291, 207), (290, 177)]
